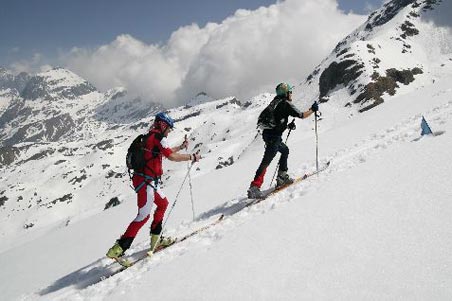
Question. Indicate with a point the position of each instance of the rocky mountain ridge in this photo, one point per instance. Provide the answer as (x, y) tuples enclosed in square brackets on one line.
[(389, 50)]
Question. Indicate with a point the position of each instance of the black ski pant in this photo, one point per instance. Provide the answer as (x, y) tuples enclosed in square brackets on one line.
[(273, 145)]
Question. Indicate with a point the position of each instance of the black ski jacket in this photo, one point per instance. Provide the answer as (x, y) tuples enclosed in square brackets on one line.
[(282, 112)]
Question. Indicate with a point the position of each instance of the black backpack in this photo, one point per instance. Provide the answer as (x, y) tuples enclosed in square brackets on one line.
[(266, 119), (135, 154)]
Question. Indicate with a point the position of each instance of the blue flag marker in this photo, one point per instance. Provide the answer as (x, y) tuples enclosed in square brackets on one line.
[(426, 130)]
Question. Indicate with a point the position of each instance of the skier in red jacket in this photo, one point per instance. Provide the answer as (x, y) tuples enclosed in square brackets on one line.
[(147, 186)]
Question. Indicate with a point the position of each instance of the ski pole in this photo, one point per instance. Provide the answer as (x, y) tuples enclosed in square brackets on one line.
[(277, 166), (174, 204), (190, 185), (316, 142), (177, 195)]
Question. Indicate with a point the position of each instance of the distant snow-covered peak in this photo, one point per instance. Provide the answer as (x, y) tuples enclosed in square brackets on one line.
[(55, 84), (60, 77)]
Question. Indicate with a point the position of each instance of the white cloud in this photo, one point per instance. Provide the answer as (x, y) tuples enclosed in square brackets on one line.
[(248, 53), (35, 64)]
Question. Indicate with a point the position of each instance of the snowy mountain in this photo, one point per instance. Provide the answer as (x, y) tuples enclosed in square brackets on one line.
[(398, 44), (10, 87), (373, 226)]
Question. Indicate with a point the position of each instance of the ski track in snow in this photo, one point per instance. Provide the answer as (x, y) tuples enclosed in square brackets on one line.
[(406, 131)]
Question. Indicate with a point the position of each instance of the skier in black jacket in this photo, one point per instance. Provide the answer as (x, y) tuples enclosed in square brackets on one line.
[(273, 139)]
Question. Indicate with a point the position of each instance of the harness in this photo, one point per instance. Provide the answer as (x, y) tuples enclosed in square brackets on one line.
[(148, 180)]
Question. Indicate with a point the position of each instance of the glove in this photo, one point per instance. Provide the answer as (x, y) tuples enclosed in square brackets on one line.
[(292, 126), (315, 107), (195, 157)]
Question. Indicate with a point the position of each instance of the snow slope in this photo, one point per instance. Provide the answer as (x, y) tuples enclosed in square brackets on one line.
[(374, 226)]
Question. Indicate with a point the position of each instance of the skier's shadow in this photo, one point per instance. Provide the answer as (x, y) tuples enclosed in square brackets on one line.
[(230, 207), (86, 276)]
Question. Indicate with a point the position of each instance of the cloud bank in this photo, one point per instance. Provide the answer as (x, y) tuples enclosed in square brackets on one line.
[(246, 54)]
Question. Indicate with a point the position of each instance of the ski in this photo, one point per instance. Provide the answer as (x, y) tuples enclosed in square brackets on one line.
[(275, 190), (299, 179), (126, 263)]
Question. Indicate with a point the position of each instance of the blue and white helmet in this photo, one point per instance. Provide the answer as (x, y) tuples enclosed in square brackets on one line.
[(162, 117)]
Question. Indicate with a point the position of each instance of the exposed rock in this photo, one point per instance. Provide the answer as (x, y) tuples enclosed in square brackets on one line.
[(235, 101), (40, 155), (113, 202), (78, 179), (408, 29), (371, 48), (59, 162), (226, 163), (385, 84), (194, 114), (8, 154), (404, 76), (29, 225), (112, 174), (391, 9), (104, 145), (342, 52), (3, 200), (338, 74), (51, 129), (66, 198)]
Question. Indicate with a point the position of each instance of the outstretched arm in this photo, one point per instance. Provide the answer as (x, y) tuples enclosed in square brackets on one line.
[(184, 157), (175, 156), (307, 113), (295, 112), (314, 108)]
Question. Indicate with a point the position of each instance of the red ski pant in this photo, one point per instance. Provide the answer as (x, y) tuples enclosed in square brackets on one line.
[(146, 196)]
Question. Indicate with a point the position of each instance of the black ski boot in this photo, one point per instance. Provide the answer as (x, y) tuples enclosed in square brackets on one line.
[(255, 193), (283, 179)]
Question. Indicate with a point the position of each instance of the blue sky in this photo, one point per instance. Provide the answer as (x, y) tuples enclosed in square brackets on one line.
[(168, 51), (46, 26)]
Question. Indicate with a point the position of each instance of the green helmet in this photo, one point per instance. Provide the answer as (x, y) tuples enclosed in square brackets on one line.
[(282, 89)]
